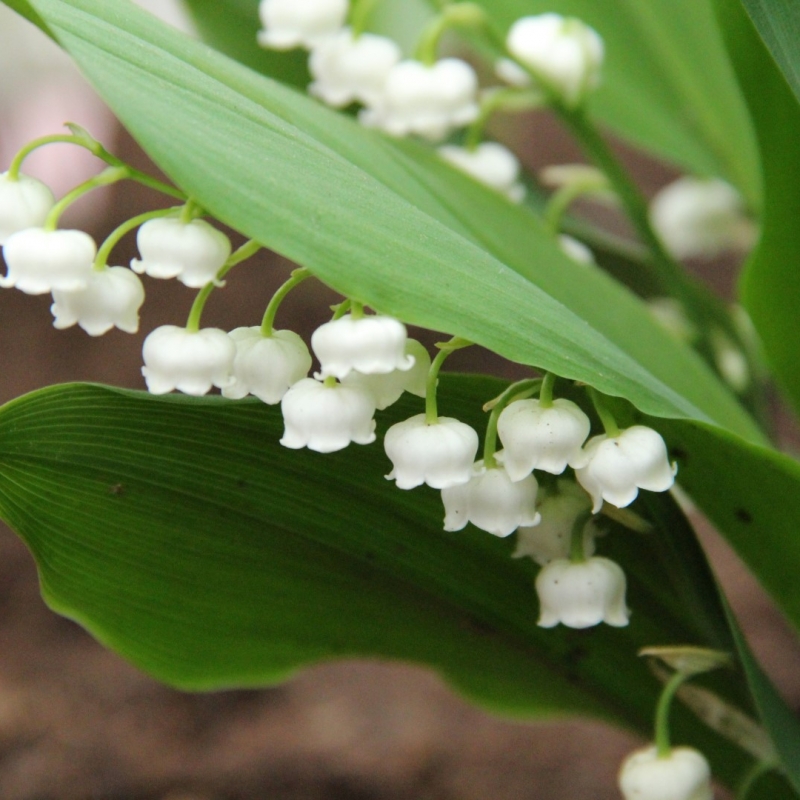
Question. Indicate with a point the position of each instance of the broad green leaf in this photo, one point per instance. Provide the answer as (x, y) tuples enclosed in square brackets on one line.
[(770, 283), (231, 28), (210, 556), (778, 23), (359, 211)]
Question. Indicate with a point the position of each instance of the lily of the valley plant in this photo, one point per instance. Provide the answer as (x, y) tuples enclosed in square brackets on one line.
[(383, 147)]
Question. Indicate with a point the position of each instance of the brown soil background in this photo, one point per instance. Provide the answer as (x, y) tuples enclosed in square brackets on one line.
[(77, 722)]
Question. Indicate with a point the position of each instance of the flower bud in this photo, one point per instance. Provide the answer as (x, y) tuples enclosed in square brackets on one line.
[(575, 249), (684, 774), (582, 594), (111, 298), (293, 23), (440, 454), (40, 261), (267, 366), (426, 100), (552, 537), (535, 437), (326, 418), (189, 361), (489, 163), (24, 203), (614, 468), (372, 345), (565, 53), (386, 389), (491, 502), (347, 69), (192, 252), (702, 218)]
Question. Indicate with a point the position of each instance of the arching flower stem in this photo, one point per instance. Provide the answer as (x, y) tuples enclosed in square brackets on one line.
[(445, 348), (244, 252), (606, 417), (105, 178), (577, 554), (507, 99), (360, 12), (296, 278), (457, 15), (662, 737), (546, 393)]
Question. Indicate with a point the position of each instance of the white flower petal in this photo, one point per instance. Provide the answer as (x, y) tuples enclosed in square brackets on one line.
[(440, 454), (267, 366), (326, 418), (682, 775), (24, 203), (565, 52), (489, 163), (491, 502), (40, 261), (111, 298), (293, 23), (192, 252), (191, 362), (580, 595)]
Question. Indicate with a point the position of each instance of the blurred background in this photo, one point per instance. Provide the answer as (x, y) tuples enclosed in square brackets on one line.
[(78, 722)]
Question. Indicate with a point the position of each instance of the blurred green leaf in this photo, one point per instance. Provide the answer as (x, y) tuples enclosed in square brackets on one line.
[(770, 283), (180, 533), (231, 27), (778, 23)]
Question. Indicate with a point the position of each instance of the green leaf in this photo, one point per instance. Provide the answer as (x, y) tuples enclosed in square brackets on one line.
[(360, 211), (778, 23), (770, 283), (231, 28), (212, 557)]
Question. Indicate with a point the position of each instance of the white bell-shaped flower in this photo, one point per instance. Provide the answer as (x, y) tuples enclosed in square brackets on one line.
[(40, 261), (267, 366), (684, 774), (697, 217), (189, 361), (299, 23), (552, 537), (372, 345), (426, 100), (583, 594), (111, 298), (386, 389), (326, 418), (491, 164), (575, 249), (347, 69), (565, 53), (24, 203), (535, 437), (491, 502), (192, 252), (614, 468), (440, 454)]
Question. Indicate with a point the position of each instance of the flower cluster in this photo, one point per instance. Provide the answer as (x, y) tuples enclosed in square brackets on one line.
[(430, 97)]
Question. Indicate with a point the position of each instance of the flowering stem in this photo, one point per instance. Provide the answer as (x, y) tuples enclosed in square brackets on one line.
[(445, 348), (16, 162), (752, 776), (662, 738), (606, 417), (546, 393), (458, 15), (189, 211), (239, 255), (495, 100), (340, 310), (515, 391), (101, 260), (107, 176), (360, 12), (356, 310), (577, 554), (297, 277)]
